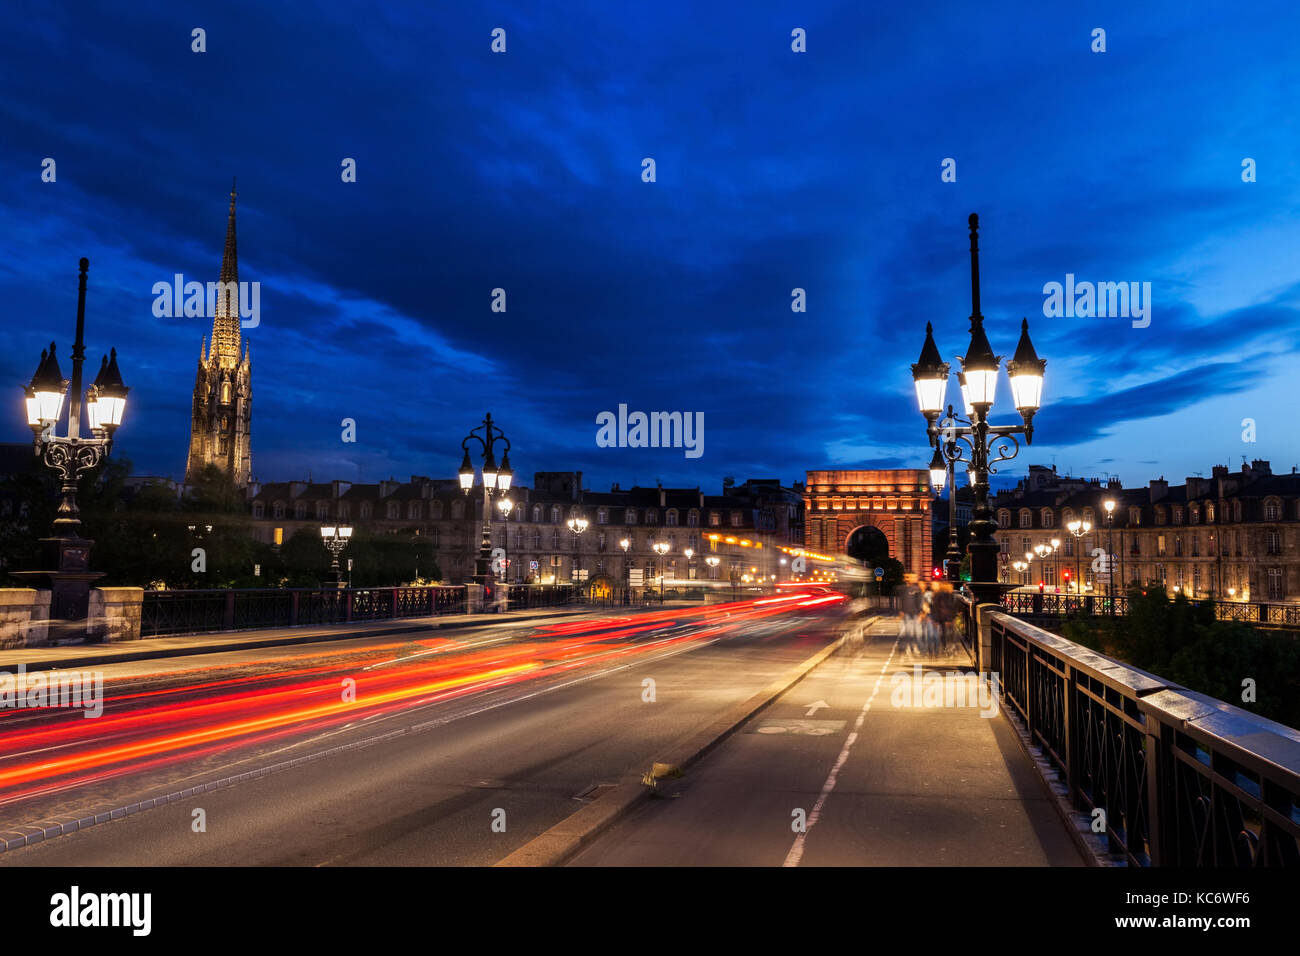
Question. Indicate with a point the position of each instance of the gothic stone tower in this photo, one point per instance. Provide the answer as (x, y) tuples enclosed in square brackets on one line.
[(222, 416)]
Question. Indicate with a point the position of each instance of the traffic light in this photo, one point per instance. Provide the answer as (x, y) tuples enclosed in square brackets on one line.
[(1066, 574), (936, 573)]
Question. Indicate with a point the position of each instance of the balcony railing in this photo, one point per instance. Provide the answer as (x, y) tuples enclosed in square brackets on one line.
[(1179, 778), (194, 612)]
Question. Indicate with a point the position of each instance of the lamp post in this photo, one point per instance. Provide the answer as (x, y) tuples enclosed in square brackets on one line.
[(69, 456), (941, 473), (1109, 505), (661, 548), (336, 539), (627, 572), (505, 506), (1019, 567), (1056, 564), (494, 478), (1078, 529), (978, 380), (577, 526), (1042, 551), (712, 561)]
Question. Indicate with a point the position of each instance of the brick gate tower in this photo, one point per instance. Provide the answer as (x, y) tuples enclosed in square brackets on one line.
[(896, 503)]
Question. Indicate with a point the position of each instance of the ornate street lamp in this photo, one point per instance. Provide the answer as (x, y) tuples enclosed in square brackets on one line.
[(336, 539), (1109, 505), (577, 526), (494, 479), (69, 456), (627, 572), (661, 548), (690, 553), (1056, 564), (1020, 567), (1078, 529), (978, 380)]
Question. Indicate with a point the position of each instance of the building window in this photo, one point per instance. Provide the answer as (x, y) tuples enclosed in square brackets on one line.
[(258, 508), (715, 520), (1069, 546), (413, 510), (300, 509), (1178, 546), (1004, 518), (1236, 511), (1026, 518), (344, 510), (394, 510), (435, 510), (1193, 515), (1047, 517), (651, 516), (1178, 516), (537, 514), (1135, 516), (1209, 514), (735, 519), (366, 510), (670, 517), (537, 540), (1274, 542), (1160, 545), (629, 516), (602, 517), (1275, 584), (1270, 511), (555, 514), (693, 518)]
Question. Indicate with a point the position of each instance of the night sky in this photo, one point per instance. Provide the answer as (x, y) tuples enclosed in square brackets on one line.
[(775, 170)]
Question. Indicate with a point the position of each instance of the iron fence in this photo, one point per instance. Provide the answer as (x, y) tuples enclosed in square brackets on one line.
[(1048, 604), (541, 595), (1177, 778), (193, 612)]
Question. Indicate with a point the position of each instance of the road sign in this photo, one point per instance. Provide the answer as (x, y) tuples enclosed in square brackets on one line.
[(880, 574), (532, 566)]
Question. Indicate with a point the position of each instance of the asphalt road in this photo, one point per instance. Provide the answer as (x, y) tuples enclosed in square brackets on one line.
[(466, 744), (906, 786)]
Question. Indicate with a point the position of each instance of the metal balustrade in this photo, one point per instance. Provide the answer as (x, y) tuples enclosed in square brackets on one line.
[(1049, 604), (1180, 778), (193, 612)]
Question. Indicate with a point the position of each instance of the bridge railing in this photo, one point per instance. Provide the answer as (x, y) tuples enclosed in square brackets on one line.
[(1049, 604), (522, 596), (230, 609), (1179, 778)]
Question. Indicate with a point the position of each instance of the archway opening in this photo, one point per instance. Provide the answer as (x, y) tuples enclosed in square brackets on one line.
[(869, 545)]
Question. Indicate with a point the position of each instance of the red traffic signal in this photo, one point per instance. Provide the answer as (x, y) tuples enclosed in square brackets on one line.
[(937, 573), (1066, 574)]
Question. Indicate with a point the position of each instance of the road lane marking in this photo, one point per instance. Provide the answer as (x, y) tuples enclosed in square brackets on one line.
[(796, 851)]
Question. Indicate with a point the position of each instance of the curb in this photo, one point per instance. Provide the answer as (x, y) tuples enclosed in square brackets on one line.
[(1092, 847), (563, 841), (316, 637)]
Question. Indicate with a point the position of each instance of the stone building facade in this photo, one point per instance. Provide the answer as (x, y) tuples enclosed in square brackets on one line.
[(1234, 535), (744, 527)]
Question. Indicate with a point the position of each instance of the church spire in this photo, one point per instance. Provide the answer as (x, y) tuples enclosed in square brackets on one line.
[(225, 320)]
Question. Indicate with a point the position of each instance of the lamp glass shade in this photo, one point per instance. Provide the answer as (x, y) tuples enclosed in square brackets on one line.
[(505, 474), (1027, 390), (345, 532), (937, 477), (327, 532), (48, 405), (466, 474), (930, 391), (981, 386)]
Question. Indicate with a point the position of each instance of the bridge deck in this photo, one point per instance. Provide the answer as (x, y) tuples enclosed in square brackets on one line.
[(880, 784)]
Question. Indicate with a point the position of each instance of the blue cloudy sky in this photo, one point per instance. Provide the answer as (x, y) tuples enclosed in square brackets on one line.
[(775, 170)]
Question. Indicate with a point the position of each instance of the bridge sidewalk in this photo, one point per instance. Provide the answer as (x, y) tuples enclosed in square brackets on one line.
[(177, 645), (878, 784)]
